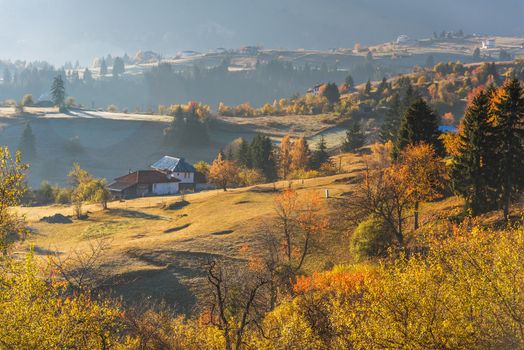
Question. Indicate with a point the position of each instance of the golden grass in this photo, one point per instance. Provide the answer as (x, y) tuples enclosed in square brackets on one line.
[(160, 252)]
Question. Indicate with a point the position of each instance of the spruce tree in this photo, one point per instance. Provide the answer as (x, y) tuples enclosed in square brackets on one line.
[(320, 155), (262, 156), (349, 81), (419, 124), (331, 93), (58, 91), (243, 155), (354, 138), (391, 124), (472, 171), (508, 113), (27, 145), (367, 89)]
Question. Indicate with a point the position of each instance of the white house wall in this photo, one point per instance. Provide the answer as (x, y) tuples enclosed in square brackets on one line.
[(185, 178), (165, 188)]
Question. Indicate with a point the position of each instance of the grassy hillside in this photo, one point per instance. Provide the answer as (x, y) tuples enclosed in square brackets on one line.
[(158, 246)]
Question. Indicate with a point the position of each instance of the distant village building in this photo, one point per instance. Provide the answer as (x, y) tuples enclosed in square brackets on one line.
[(169, 175), (315, 90), (489, 44), (250, 50), (403, 39), (188, 53)]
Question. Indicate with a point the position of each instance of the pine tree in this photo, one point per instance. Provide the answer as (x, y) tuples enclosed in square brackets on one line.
[(382, 86), (476, 54), (262, 156), (58, 91), (243, 155), (472, 172), (367, 89), (331, 93), (508, 113), (391, 124), (349, 81), (354, 138), (419, 124), (27, 145), (320, 155)]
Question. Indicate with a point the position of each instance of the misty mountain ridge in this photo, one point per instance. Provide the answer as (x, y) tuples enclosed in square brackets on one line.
[(60, 30)]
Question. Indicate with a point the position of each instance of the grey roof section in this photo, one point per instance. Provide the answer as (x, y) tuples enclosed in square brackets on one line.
[(172, 164)]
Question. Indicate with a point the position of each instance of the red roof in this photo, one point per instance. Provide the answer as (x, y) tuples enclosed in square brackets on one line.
[(146, 177)]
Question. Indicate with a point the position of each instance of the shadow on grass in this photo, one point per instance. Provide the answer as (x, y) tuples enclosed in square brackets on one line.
[(221, 233), (176, 277), (127, 213), (157, 286), (43, 251), (178, 228)]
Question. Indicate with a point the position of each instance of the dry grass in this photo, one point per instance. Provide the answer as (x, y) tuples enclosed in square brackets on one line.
[(160, 253), (278, 126)]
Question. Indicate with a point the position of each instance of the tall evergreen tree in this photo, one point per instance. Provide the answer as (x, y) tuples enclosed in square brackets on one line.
[(331, 93), (473, 169), (320, 155), (354, 138), (27, 145), (419, 124), (476, 54), (508, 113), (58, 91), (391, 124), (243, 156), (262, 156), (367, 88), (349, 81)]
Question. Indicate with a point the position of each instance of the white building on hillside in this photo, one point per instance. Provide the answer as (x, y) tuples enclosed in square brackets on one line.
[(489, 44)]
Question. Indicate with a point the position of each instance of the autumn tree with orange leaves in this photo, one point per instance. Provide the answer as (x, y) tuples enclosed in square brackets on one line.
[(298, 221), (423, 175)]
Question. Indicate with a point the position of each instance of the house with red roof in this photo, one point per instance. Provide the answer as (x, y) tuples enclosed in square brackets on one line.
[(169, 175)]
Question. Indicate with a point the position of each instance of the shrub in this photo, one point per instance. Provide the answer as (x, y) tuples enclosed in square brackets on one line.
[(70, 102), (370, 239), (112, 108), (45, 194), (62, 196), (73, 146), (27, 100)]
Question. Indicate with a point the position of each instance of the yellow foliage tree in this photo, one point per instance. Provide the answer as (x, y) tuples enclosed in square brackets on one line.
[(222, 172)]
